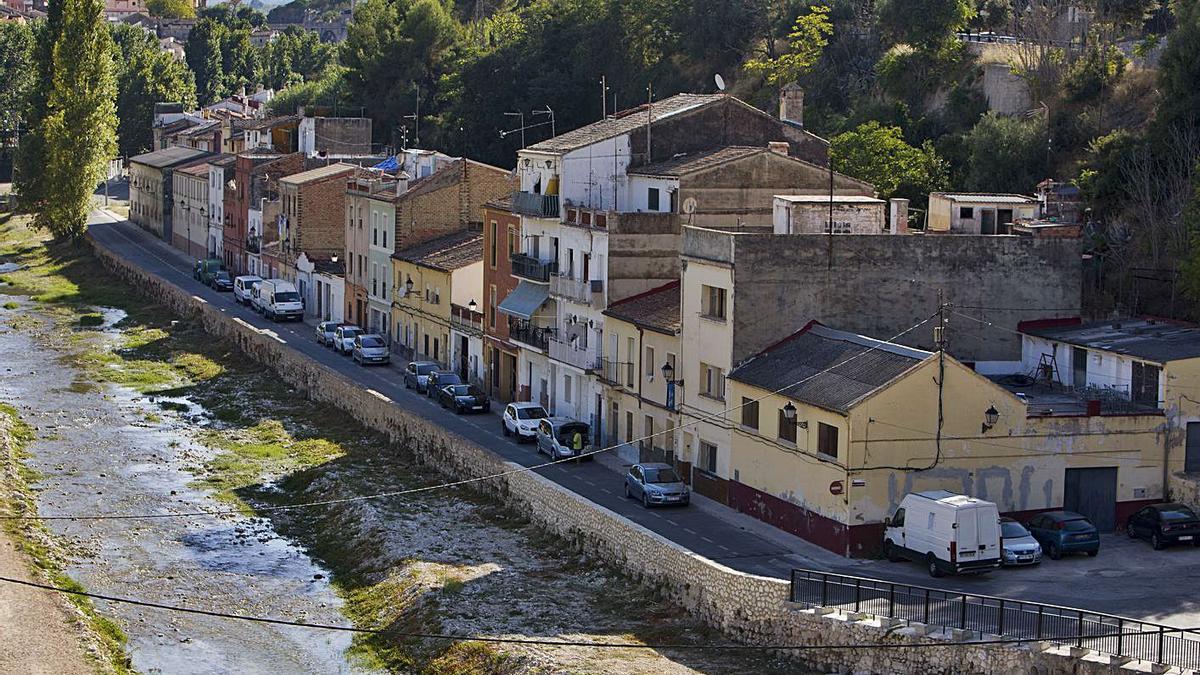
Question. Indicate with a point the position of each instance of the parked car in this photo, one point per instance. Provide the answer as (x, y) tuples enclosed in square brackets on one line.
[(463, 398), (948, 532), (221, 281), (1017, 546), (562, 437), (242, 286), (656, 483), (204, 270), (1062, 532), (522, 419), (343, 338), (439, 379), (325, 332), (1165, 524), (416, 374), (370, 348), (280, 300)]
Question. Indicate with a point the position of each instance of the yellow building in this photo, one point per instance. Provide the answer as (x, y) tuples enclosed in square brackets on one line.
[(829, 430), (643, 338), (428, 279)]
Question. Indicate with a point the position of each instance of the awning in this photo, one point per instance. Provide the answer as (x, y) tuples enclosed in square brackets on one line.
[(524, 300)]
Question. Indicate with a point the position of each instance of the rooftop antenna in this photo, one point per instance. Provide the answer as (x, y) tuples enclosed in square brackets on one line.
[(720, 82), (550, 112), (603, 97), (649, 116), (416, 117)]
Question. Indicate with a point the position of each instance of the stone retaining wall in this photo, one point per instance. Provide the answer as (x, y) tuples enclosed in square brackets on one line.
[(748, 608)]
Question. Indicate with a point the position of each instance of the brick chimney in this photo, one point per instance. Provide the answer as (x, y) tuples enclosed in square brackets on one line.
[(791, 104), (779, 147)]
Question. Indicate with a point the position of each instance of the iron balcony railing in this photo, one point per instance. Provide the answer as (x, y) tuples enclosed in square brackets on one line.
[(576, 290), (583, 358), (1007, 618), (529, 267), (466, 321), (254, 244), (534, 204), (537, 337), (616, 373)]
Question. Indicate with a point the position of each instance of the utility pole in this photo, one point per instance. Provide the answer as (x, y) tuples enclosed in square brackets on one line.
[(603, 97), (649, 117), (829, 253), (416, 117), (939, 338)]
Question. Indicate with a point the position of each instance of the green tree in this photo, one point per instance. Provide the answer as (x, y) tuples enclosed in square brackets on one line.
[(808, 39), (79, 130), (145, 75), (923, 24), (16, 81), (203, 55), (1179, 73), (880, 156), (1007, 154), (295, 56), (27, 181), (171, 9)]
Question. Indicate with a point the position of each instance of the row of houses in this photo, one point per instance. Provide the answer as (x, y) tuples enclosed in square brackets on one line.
[(694, 281)]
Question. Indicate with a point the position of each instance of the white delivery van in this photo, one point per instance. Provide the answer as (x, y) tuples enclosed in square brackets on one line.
[(256, 297), (948, 532), (242, 286), (280, 300)]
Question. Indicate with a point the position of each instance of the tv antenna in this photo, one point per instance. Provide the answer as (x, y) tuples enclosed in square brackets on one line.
[(720, 82)]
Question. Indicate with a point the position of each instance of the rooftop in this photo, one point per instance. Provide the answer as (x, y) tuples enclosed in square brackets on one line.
[(1155, 340), (169, 157), (985, 198), (199, 170), (656, 309), (318, 174), (828, 368), (824, 199), (690, 162), (1045, 400), (624, 122), (448, 253)]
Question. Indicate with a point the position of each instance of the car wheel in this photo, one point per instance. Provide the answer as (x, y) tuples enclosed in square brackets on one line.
[(645, 500), (1055, 552), (1157, 542), (889, 552), (1130, 532), (504, 428), (1093, 554), (931, 564), (627, 495)]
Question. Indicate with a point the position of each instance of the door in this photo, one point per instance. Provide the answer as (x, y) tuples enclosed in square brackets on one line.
[(1191, 457), (1004, 218), (1093, 493), (987, 221), (1079, 359), (464, 352)]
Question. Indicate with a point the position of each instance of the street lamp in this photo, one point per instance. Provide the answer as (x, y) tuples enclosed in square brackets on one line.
[(472, 305), (668, 372), (990, 417), (789, 412)]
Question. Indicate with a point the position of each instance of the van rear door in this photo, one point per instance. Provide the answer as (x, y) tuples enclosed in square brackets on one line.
[(967, 534), (978, 533)]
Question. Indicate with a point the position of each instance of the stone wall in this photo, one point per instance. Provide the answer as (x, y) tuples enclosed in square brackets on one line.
[(745, 607)]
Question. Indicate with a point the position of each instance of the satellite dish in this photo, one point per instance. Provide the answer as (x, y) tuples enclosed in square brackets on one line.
[(720, 82), (689, 205)]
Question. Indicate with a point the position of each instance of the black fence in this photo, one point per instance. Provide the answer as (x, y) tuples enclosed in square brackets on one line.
[(1009, 619)]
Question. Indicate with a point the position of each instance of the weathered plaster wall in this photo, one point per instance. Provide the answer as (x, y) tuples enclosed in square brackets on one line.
[(748, 608)]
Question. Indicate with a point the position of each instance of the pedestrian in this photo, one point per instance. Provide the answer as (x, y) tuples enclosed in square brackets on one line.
[(577, 442)]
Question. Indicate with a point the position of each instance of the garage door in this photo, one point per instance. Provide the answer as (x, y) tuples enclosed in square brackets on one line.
[(1093, 493)]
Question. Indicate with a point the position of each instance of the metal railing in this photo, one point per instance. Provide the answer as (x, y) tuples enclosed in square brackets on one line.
[(254, 244), (583, 358), (535, 336), (528, 267), (534, 204), (575, 290), (616, 373), (1007, 618)]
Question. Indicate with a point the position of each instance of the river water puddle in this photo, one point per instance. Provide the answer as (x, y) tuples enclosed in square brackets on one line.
[(111, 450)]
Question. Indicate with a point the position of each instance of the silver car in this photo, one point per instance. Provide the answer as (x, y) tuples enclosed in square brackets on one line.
[(343, 338), (656, 483), (326, 330), (1017, 545), (416, 374), (562, 437), (370, 348)]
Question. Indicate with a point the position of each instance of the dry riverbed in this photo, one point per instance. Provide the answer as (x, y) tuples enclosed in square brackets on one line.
[(138, 412)]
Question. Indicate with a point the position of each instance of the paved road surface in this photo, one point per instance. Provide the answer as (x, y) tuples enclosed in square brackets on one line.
[(1127, 578)]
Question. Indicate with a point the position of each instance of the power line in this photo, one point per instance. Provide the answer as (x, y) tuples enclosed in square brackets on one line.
[(465, 481), (572, 643)]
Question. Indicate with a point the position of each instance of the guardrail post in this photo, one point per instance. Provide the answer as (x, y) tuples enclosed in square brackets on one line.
[(1120, 636), (793, 589), (962, 619), (857, 593), (892, 600), (824, 589), (1079, 632), (1161, 635), (1041, 610), (1000, 623), (926, 606)]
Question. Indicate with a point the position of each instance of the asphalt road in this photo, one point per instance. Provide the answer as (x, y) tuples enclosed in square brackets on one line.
[(1127, 578)]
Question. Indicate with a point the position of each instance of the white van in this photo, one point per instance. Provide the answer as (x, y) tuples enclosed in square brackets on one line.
[(242, 286), (280, 300), (256, 297), (948, 532)]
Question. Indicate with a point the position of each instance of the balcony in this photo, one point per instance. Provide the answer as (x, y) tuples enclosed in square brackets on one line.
[(571, 354), (536, 337), (616, 373), (576, 290), (536, 205), (254, 244), (528, 267), (465, 321)]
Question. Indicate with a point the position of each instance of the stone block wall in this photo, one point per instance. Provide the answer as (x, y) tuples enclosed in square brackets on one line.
[(747, 608)]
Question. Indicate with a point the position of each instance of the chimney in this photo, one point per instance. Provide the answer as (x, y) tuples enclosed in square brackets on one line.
[(791, 104), (779, 147), (898, 216)]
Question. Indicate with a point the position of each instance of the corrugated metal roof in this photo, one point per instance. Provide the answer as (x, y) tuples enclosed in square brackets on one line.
[(834, 369), (1151, 339), (985, 198), (319, 173), (166, 158)]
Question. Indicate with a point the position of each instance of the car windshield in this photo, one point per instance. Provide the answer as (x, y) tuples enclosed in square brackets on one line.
[(460, 390), (1177, 514), (1013, 530), (1077, 525), (448, 378), (425, 368), (223, 275), (287, 296), (350, 332), (531, 413), (662, 476), (372, 341)]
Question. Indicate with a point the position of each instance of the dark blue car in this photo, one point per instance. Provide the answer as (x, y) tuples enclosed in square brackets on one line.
[(1062, 532)]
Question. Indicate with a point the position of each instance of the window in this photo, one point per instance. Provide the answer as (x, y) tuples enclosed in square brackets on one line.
[(567, 388), (966, 212), (648, 361), (749, 413), (374, 232), (827, 439), (631, 354), (512, 240), (628, 427), (491, 308), (650, 431), (712, 382), (1144, 388), (787, 428), (898, 519), (708, 457), (652, 199), (492, 245), (838, 227), (385, 232), (712, 302)]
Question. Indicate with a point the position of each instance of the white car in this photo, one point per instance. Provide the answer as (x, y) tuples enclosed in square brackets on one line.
[(522, 419), (242, 286), (343, 338)]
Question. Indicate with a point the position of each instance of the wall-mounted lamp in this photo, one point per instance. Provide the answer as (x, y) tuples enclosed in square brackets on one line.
[(472, 305), (789, 414), (990, 417)]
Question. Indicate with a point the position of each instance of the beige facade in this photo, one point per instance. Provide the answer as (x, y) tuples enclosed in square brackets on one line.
[(427, 280), (971, 213), (190, 210), (822, 214)]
